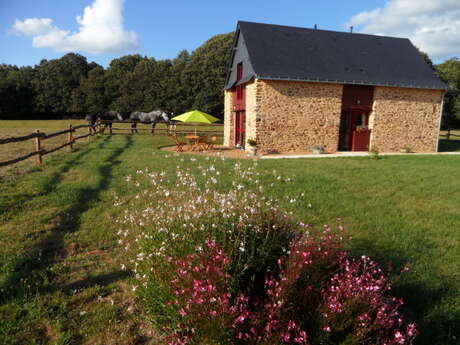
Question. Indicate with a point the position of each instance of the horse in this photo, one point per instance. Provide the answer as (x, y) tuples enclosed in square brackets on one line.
[(153, 117), (172, 124), (107, 117)]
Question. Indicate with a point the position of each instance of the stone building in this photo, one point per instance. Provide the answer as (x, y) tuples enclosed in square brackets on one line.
[(291, 89)]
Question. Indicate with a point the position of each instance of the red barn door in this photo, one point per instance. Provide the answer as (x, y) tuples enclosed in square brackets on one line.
[(240, 128), (239, 108), (354, 133)]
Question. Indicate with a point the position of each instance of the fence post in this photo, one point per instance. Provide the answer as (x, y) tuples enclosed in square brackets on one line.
[(448, 134), (38, 148), (70, 137)]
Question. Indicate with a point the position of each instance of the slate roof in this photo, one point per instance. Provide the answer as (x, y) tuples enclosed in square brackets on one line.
[(291, 53)]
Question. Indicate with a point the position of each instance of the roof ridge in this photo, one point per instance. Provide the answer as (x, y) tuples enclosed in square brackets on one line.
[(313, 29)]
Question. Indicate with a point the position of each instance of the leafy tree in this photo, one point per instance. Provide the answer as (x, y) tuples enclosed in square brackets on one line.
[(119, 84), (157, 92), (449, 72), (55, 81), (16, 93), (177, 90), (205, 75), (90, 96)]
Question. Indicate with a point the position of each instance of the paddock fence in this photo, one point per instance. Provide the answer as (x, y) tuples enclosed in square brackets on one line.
[(99, 128), (448, 135), (180, 128), (38, 137)]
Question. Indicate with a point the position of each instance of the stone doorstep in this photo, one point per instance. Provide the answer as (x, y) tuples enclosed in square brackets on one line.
[(355, 154)]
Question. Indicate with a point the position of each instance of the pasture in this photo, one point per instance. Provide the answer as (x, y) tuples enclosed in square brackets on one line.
[(61, 280)]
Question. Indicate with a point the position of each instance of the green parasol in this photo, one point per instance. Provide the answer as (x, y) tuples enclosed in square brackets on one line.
[(195, 116)]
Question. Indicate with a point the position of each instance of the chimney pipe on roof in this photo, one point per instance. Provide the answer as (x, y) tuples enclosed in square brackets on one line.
[(351, 29)]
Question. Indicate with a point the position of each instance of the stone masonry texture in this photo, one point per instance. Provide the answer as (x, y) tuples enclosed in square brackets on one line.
[(294, 116), (405, 118), (251, 112), (228, 118)]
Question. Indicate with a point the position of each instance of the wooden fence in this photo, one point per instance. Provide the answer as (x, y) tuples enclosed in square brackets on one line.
[(38, 137), (448, 135), (184, 128)]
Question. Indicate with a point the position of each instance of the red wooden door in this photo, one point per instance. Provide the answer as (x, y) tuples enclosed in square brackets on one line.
[(353, 135), (240, 128), (360, 134), (361, 140)]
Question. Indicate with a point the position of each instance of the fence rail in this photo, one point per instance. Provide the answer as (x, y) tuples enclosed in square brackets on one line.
[(39, 152), (449, 134), (168, 130), (19, 139), (18, 159)]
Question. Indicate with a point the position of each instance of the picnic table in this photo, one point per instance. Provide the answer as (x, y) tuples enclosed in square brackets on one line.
[(197, 142)]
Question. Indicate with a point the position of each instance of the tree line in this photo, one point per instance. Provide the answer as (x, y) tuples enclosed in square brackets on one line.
[(70, 86)]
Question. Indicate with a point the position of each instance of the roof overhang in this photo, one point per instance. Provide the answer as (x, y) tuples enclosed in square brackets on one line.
[(351, 82)]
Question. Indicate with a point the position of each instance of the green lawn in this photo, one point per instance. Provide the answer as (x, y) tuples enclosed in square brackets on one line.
[(453, 144), (60, 262)]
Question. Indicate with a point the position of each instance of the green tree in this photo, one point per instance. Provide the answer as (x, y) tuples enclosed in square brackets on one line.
[(90, 96), (118, 79), (157, 92), (177, 91), (55, 82), (16, 92), (449, 72), (204, 76)]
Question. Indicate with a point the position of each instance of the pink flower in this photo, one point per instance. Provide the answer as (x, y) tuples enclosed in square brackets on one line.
[(399, 337), (411, 330), (285, 337)]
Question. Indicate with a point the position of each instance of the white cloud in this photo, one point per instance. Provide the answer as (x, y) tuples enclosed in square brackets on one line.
[(100, 31), (431, 25), (32, 26)]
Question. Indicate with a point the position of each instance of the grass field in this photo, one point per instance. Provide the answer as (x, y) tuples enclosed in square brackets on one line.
[(12, 128), (60, 276)]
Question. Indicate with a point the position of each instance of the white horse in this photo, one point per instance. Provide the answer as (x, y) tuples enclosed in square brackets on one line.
[(153, 117)]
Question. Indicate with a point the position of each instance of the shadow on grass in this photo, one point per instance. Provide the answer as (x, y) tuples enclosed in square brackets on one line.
[(18, 201), (449, 145), (29, 273), (422, 299), (102, 279)]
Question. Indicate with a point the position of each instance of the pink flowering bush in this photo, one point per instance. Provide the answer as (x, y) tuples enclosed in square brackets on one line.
[(201, 296), (332, 298), (319, 296), (229, 267)]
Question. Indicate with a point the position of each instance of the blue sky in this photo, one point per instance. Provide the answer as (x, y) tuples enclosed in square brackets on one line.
[(33, 30)]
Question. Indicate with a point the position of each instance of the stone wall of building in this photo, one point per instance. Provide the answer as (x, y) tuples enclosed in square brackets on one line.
[(405, 118), (251, 112), (294, 116), (228, 118)]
